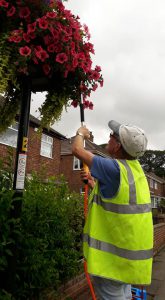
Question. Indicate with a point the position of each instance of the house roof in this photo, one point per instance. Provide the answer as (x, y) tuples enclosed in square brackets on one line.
[(66, 147), (36, 123), (155, 177)]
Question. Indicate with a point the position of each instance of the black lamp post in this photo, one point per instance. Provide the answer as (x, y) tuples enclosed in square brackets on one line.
[(19, 176)]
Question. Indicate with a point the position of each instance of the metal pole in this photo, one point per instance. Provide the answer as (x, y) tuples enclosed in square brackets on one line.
[(19, 175)]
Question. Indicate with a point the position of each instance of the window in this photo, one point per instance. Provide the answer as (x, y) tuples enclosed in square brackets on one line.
[(9, 137), (46, 146), (76, 164), (155, 185), (151, 183)]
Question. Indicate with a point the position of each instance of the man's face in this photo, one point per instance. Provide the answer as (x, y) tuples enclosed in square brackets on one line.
[(113, 145)]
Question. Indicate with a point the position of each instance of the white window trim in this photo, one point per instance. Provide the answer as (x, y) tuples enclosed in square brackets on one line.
[(155, 185), (7, 144), (47, 142), (151, 183), (79, 163)]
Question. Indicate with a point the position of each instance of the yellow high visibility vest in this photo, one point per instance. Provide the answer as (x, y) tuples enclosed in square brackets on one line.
[(118, 233)]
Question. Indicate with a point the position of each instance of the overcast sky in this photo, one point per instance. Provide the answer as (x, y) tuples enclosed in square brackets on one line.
[(129, 42)]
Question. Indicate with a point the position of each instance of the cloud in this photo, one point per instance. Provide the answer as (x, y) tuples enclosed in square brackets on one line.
[(128, 38)]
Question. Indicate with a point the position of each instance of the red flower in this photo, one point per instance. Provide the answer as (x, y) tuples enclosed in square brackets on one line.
[(43, 23), (46, 69), (61, 58), (25, 51), (24, 12), (11, 11), (32, 27), (3, 3)]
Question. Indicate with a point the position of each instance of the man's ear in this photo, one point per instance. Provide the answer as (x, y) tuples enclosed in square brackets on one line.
[(118, 147)]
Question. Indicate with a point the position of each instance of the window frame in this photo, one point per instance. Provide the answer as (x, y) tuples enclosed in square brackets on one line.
[(74, 162), (11, 127), (48, 143)]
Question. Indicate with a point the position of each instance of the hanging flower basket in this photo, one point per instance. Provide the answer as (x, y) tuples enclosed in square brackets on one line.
[(46, 42)]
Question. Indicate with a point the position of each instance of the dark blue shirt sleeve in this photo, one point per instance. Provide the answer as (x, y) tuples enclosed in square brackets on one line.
[(107, 171)]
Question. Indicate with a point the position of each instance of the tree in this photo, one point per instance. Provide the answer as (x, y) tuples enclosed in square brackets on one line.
[(154, 160)]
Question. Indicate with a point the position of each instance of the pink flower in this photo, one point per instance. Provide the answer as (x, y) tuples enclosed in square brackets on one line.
[(23, 70), (32, 27), (81, 56), (55, 33), (101, 83), (95, 75), (3, 3), (41, 54), (11, 11), (75, 62), (24, 12), (97, 68), (32, 35), (51, 48), (57, 48), (46, 69), (74, 103), (65, 38), (26, 37), (91, 105), (60, 5), (86, 104), (25, 51), (95, 87), (61, 58), (16, 39), (43, 23), (51, 14)]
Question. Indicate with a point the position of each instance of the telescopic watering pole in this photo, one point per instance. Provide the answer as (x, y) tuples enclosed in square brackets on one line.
[(85, 167)]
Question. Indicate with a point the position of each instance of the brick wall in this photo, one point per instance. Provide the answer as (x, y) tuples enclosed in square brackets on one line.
[(36, 162), (72, 176), (159, 237)]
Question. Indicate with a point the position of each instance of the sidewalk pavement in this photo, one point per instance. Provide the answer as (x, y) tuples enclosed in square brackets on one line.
[(156, 291)]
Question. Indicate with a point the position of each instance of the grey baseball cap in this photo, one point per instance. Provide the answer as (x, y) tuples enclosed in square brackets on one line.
[(132, 138)]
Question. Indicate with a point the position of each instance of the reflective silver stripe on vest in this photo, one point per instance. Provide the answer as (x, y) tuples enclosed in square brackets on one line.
[(122, 208), (124, 253), (131, 182)]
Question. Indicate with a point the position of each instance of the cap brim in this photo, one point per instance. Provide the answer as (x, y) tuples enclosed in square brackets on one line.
[(113, 125)]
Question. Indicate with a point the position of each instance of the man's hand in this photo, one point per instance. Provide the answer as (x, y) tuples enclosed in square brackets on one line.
[(87, 176), (84, 131)]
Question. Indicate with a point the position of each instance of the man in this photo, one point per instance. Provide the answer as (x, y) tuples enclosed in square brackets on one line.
[(118, 234)]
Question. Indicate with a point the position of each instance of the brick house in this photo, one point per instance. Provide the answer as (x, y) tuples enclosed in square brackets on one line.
[(71, 166), (43, 150), (157, 188)]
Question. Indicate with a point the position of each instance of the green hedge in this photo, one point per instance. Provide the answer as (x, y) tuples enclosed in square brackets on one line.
[(48, 236)]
